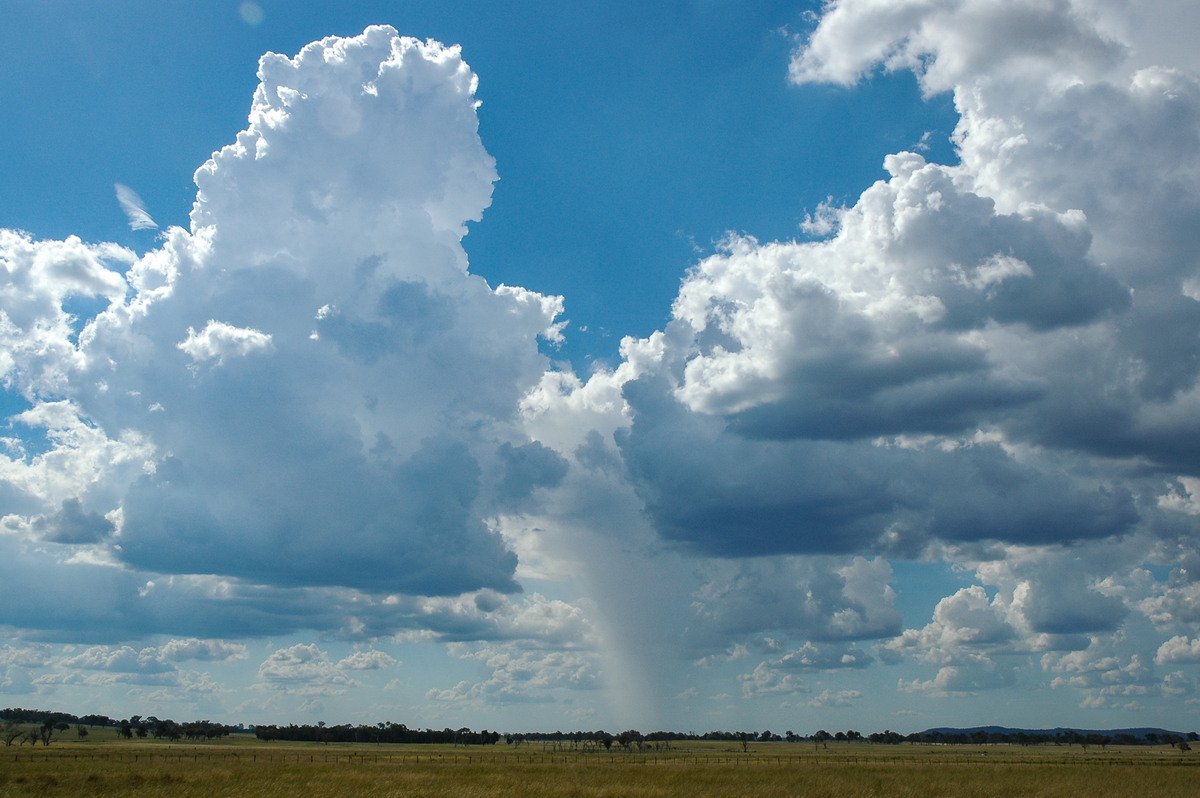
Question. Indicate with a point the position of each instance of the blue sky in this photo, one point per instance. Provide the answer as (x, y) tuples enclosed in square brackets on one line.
[(689, 366), (628, 138)]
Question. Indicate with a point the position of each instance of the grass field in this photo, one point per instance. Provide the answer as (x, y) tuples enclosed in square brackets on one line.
[(245, 767)]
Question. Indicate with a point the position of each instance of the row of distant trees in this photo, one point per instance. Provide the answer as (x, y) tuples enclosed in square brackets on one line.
[(379, 733), (631, 739), (886, 737), (21, 726)]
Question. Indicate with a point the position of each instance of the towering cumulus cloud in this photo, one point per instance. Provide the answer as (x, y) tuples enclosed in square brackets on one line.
[(306, 389)]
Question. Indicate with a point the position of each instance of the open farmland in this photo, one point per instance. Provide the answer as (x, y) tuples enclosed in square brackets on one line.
[(250, 768)]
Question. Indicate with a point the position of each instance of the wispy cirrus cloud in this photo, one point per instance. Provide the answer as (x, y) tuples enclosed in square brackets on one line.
[(134, 208)]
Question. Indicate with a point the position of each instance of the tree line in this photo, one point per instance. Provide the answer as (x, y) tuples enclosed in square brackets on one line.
[(20, 726), (32, 726), (379, 733)]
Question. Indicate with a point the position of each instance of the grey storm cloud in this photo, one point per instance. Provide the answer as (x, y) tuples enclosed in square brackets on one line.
[(939, 369), (71, 524)]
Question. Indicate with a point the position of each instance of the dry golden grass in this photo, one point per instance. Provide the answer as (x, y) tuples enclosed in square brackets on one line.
[(137, 769)]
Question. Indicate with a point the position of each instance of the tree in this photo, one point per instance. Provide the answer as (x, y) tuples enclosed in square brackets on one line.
[(45, 732), (81, 730), (9, 732), (626, 738)]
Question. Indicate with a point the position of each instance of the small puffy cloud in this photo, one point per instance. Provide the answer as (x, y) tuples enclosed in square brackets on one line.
[(532, 620), (967, 629), (1180, 649), (835, 698), (956, 681), (520, 676), (969, 617), (367, 661), (1176, 685), (826, 658), (25, 656), (203, 650), (1178, 603), (1108, 673), (122, 659), (302, 670), (218, 341), (795, 598), (766, 680)]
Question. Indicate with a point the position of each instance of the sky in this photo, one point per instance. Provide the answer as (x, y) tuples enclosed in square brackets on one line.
[(537, 366)]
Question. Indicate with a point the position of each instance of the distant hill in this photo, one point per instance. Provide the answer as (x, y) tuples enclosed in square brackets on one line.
[(1141, 732)]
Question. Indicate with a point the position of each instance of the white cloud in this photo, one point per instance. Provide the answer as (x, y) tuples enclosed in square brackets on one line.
[(1106, 674), (134, 208), (367, 661), (957, 681), (204, 650), (951, 43), (964, 625), (520, 676), (205, 404), (303, 670), (218, 341), (838, 698), (122, 659), (25, 656), (1178, 650), (827, 658), (765, 680), (36, 281), (797, 599)]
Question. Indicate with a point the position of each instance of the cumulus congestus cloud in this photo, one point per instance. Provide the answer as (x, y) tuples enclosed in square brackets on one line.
[(991, 363), (972, 353), (267, 397)]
